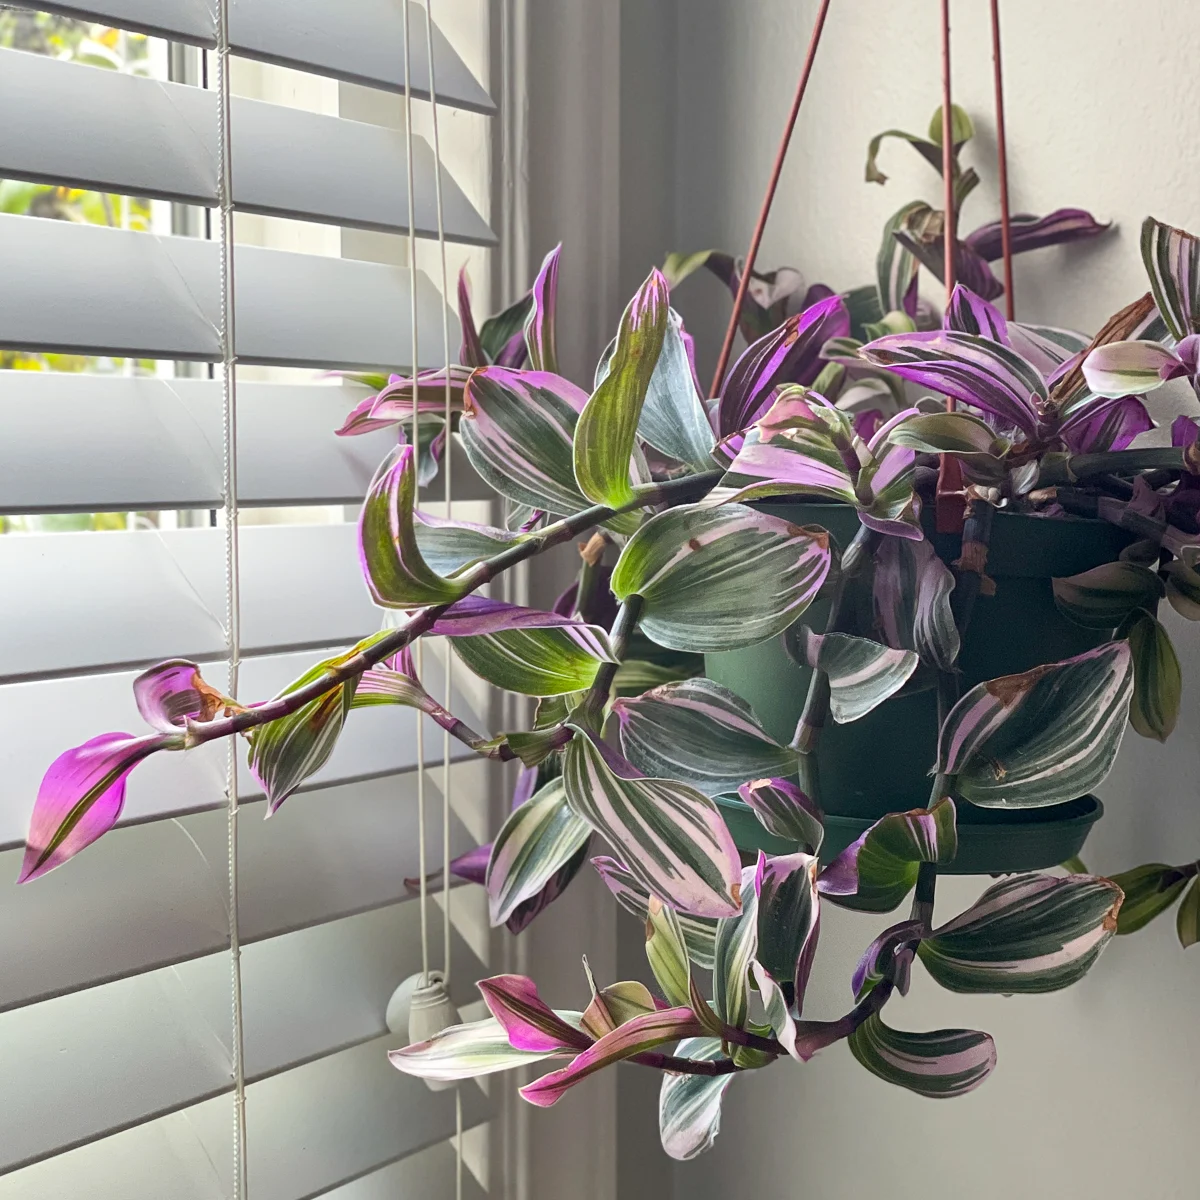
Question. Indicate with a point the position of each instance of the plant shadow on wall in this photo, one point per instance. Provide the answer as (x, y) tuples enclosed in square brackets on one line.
[(1002, 634)]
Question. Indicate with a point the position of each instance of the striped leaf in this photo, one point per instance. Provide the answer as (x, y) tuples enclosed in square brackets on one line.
[(530, 1023), (449, 546), (939, 1065), (1027, 933), (862, 674), (789, 354), (699, 933), (606, 436), (670, 836), (1172, 259), (1043, 737), (540, 338), (518, 429), (957, 433), (720, 577), (550, 656), (1105, 596), (82, 795), (642, 1033), (896, 269), (689, 1106), (890, 955), (1130, 368), (396, 573), (1157, 678), (465, 1052), (1149, 890), (536, 841), (735, 948), (911, 595), (882, 865), (284, 753), (674, 420), (785, 811), (970, 313), (982, 373), (1029, 232), (789, 918), (666, 953), (777, 1012), (1187, 920), (700, 734)]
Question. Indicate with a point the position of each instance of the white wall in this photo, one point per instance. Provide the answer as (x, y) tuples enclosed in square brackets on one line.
[(1097, 1088)]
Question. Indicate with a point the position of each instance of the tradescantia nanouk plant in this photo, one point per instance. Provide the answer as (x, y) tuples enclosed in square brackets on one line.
[(629, 745)]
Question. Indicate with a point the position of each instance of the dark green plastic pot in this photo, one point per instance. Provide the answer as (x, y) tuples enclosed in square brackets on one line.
[(882, 763)]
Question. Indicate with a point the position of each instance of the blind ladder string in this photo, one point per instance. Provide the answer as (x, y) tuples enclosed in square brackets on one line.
[(449, 505), (416, 444), (232, 574)]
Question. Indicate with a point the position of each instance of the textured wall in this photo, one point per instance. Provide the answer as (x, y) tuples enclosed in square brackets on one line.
[(1097, 1088)]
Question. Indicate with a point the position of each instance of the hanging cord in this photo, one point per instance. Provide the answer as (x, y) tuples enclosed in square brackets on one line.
[(1010, 301), (232, 585), (448, 479), (416, 442), (773, 183), (449, 504)]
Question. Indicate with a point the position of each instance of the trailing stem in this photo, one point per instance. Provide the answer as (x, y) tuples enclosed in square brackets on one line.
[(622, 631), (672, 491)]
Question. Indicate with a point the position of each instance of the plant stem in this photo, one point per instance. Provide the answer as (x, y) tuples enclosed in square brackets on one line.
[(812, 1036), (674, 490), (816, 705), (1112, 462), (465, 734), (1117, 512), (685, 1066), (619, 635), (922, 909)]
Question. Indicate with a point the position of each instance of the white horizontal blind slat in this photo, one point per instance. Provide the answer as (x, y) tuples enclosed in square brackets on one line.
[(424, 1176), (67, 1077), (161, 887), (43, 718), (313, 1129), (141, 443), (97, 128), (91, 290), (360, 41), (138, 597)]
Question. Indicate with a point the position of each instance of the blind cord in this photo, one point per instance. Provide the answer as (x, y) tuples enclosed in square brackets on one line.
[(449, 504), (416, 443), (232, 585)]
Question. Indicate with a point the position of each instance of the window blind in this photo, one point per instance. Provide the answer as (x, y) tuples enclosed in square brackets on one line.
[(119, 1052)]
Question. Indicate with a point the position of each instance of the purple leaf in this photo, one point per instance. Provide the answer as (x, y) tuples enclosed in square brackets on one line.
[(979, 372), (969, 267), (782, 468), (394, 404), (600, 609), (866, 423), (789, 917), (396, 573), (539, 327), (880, 952), (1184, 431), (1032, 233), (514, 353), (523, 915), (789, 354), (969, 313), (639, 1034), (785, 811), (81, 797), (172, 693), (472, 866), (1105, 423), (530, 1023), (471, 352)]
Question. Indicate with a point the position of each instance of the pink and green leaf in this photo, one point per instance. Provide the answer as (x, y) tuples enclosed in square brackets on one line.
[(530, 1023), (81, 797), (938, 1065), (671, 837), (540, 337), (785, 811)]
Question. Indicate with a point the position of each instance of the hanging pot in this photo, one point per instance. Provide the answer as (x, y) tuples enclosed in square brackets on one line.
[(883, 762)]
